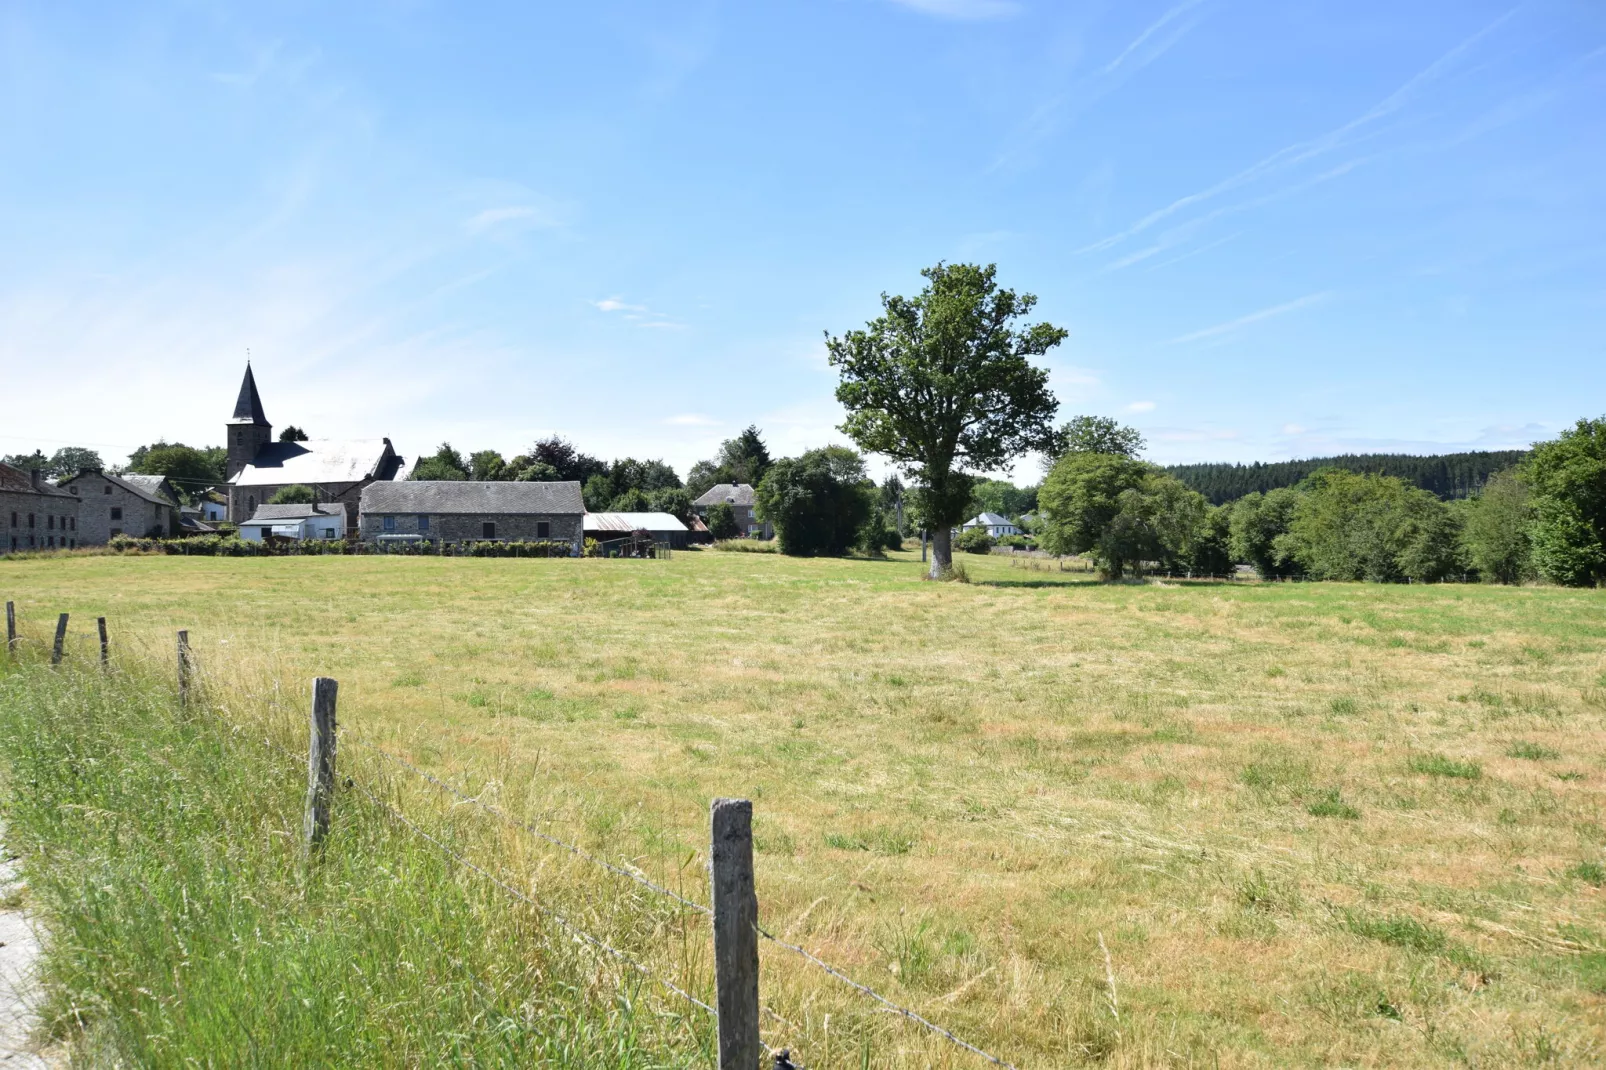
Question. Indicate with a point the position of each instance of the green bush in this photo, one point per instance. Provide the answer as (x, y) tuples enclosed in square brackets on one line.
[(974, 541), (722, 521), (747, 546)]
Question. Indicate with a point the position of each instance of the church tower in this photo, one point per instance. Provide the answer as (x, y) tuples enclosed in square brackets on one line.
[(248, 430)]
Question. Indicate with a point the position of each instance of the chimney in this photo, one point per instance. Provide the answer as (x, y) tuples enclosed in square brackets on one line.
[(33, 477)]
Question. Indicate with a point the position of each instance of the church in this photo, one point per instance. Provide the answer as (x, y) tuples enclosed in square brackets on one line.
[(337, 470)]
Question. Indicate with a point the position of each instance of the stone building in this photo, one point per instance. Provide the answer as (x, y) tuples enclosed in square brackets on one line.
[(258, 467), (739, 496), (132, 504), (452, 511), (35, 515)]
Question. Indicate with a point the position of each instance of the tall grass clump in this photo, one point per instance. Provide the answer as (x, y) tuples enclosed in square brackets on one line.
[(162, 852)]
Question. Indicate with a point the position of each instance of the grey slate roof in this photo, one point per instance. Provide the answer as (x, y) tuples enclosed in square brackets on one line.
[(441, 496), (734, 493), (17, 481), (989, 520), (248, 409), (323, 460), (276, 514), (147, 487)]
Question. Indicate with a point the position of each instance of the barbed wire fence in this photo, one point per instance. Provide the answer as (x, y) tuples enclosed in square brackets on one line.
[(733, 979)]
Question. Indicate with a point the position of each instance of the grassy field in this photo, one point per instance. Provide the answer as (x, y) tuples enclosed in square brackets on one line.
[(1311, 824)]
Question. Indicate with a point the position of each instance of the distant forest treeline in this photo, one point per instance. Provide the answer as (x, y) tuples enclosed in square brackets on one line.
[(1449, 475)]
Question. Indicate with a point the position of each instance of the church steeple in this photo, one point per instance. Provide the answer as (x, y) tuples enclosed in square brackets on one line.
[(248, 430), (248, 409)]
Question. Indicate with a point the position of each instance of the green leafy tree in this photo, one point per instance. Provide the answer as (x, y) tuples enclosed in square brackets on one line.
[(634, 500), (1431, 548), (487, 466), (524, 470), (193, 471), (295, 494), (1495, 536), (943, 385), (445, 464), (1210, 551), (1081, 500), (1002, 497), (1258, 521), (598, 493), (561, 456), (30, 462), (722, 521), (817, 502), (292, 433), (743, 459), (1094, 434), (1568, 478), (672, 500), (64, 463), (1349, 526)]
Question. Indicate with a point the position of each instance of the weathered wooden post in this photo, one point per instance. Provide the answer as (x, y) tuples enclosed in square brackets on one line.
[(11, 628), (183, 667), (105, 647), (61, 639), (320, 761), (735, 933)]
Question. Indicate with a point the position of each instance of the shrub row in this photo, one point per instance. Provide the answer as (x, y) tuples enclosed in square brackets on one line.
[(234, 546)]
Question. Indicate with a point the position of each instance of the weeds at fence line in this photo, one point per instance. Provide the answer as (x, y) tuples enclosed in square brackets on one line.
[(197, 747)]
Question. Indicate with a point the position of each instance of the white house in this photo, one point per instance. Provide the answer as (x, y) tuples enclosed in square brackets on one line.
[(997, 526), (326, 521)]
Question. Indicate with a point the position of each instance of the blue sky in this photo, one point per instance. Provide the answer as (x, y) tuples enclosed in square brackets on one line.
[(1273, 229)]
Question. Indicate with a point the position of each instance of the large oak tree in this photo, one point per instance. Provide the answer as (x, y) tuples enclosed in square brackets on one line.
[(943, 385)]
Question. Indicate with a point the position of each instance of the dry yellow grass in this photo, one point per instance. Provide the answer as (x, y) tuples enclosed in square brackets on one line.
[(1292, 813)]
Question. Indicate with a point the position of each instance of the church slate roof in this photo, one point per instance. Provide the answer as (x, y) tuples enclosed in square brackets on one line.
[(322, 460), (734, 493), (443, 496), (248, 409)]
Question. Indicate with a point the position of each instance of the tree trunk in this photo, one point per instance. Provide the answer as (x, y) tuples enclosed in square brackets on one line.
[(942, 552)]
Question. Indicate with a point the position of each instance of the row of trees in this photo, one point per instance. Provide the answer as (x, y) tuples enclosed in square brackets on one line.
[(1448, 475), (1542, 519)]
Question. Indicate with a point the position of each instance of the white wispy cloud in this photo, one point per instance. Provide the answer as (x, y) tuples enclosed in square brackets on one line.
[(1153, 28), (640, 315), (692, 419), (522, 215), (1141, 406), (1300, 151), (615, 304), (963, 10), (1293, 429), (1253, 317)]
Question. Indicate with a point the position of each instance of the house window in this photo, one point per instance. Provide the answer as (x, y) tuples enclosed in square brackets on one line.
[(487, 530), (30, 523), (74, 490), (50, 540), (423, 524), (106, 489), (117, 512), (74, 523), (251, 504), (328, 533), (390, 523), (72, 544), (14, 521), (117, 531), (543, 530), (50, 522)]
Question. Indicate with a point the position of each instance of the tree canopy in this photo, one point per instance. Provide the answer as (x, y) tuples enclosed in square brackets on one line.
[(292, 433), (943, 385), (65, 462), (295, 494), (1568, 477), (743, 459), (817, 502), (1094, 434), (193, 471), (1448, 475)]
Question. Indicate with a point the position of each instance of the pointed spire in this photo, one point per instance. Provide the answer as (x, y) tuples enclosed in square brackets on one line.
[(248, 409)]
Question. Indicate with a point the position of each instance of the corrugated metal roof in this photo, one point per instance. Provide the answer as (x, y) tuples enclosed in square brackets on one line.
[(625, 523), (323, 460), (441, 496), (731, 493)]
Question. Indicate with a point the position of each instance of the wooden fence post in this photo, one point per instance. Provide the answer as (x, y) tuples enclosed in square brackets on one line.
[(105, 647), (11, 628), (320, 761), (735, 933), (61, 639), (183, 667)]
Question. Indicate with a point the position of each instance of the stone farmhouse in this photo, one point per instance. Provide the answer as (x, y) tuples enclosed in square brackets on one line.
[(739, 496), (35, 515), (130, 504), (258, 467), (470, 511)]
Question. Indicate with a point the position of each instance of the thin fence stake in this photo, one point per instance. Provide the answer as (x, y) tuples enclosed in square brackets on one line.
[(61, 639), (735, 902), (11, 628), (320, 761), (183, 667), (105, 646)]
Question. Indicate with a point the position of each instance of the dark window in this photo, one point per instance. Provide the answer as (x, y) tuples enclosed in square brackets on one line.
[(423, 523), (251, 504), (72, 544), (50, 522), (30, 540), (543, 530), (390, 523), (30, 523), (487, 530), (74, 490), (14, 521), (50, 540), (106, 489), (117, 512), (73, 523)]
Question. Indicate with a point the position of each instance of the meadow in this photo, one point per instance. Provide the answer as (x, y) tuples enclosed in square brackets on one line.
[(1174, 823)]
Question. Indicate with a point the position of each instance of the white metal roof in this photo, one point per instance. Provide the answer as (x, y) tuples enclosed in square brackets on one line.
[(624, 523)]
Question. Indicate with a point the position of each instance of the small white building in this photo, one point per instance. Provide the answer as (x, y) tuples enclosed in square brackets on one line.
[(325, 521), (997, 526)]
